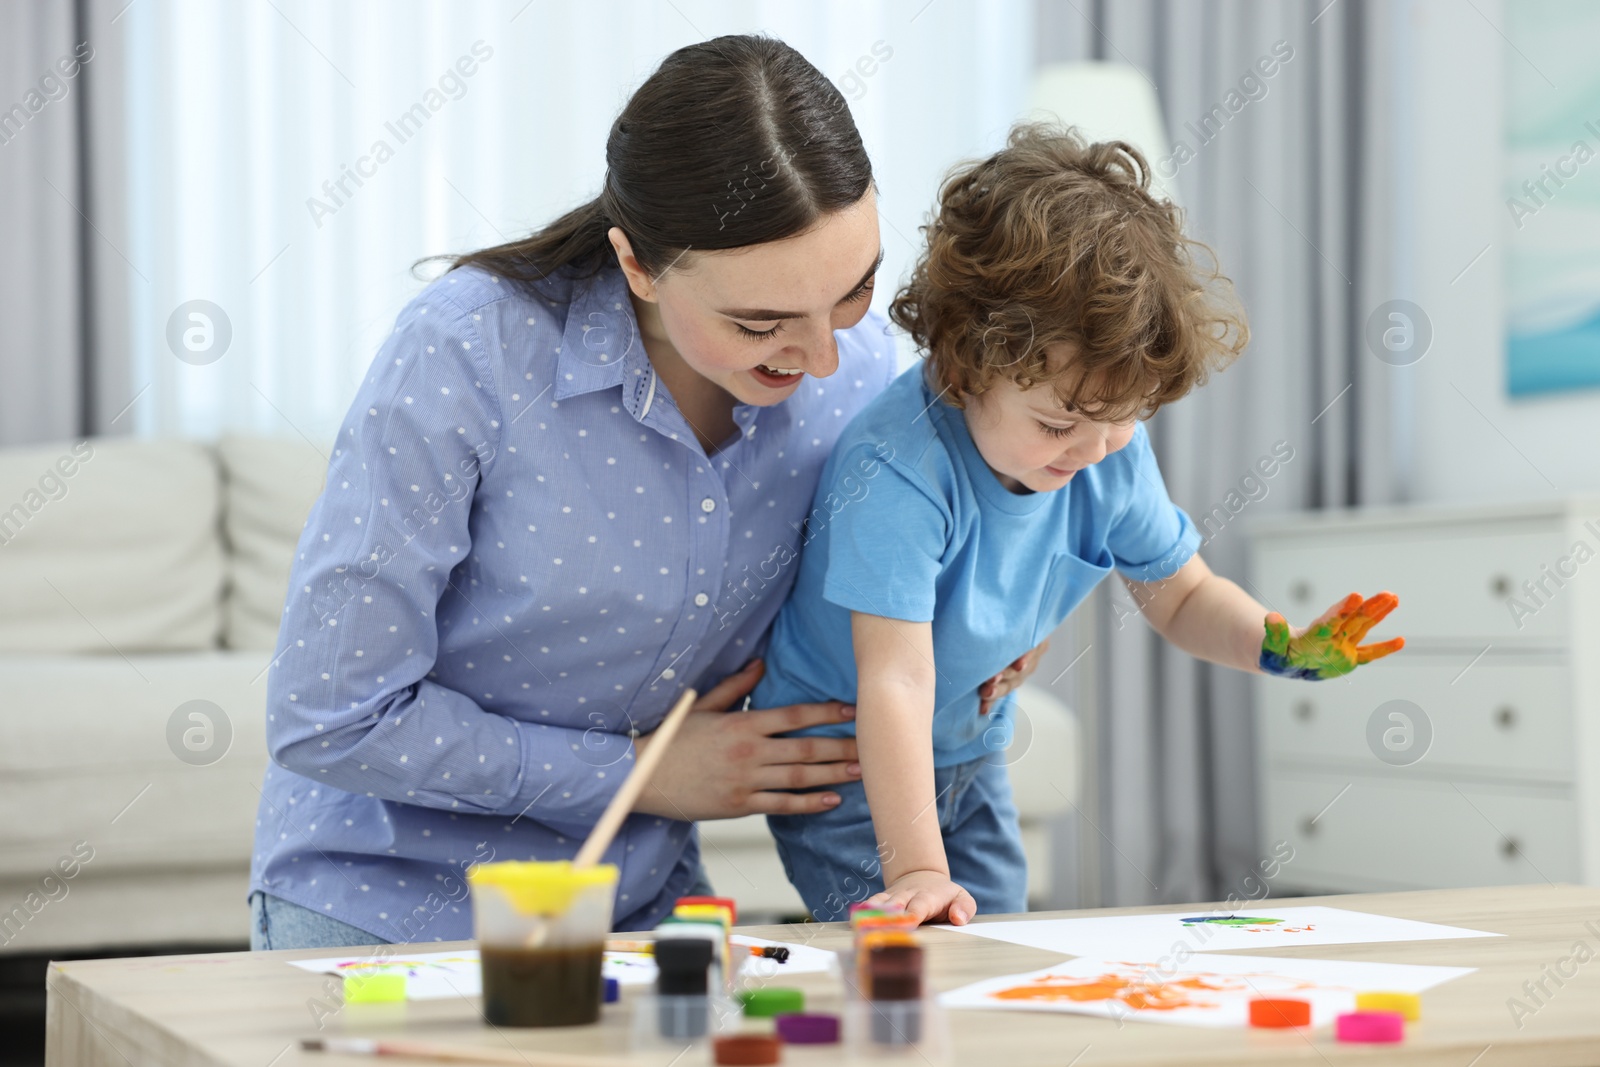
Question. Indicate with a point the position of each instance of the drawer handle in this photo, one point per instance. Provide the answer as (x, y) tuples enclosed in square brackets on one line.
[(1505, 717), (1303, 710), (1308, 826), (1500, 585), (1510, 848), (1300, 591)]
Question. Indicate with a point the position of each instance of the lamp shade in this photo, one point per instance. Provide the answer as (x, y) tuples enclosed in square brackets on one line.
[(1108, 102)]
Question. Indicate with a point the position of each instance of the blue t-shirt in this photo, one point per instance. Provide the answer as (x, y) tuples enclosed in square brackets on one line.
[(910, 523)]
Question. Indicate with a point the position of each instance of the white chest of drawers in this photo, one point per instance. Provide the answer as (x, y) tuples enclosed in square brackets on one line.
[(1472, 757)]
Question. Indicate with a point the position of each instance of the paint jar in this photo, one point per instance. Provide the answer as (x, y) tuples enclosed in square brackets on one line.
[(683, 990), (893, 1013), (882, 1031), (541, 931)]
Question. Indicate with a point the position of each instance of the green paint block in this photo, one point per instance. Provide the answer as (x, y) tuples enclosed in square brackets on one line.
[(773, 1000)]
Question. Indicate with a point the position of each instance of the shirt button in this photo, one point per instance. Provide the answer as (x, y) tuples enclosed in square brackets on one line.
[(669, 674), (701, 600), (708, 505)]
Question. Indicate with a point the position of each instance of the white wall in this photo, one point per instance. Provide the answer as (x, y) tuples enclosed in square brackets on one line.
[(1472, 442)]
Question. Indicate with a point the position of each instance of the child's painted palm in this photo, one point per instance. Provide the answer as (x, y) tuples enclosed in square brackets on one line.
[(1331, 645)]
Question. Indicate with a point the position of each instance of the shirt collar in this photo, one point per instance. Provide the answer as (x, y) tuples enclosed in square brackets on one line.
[(600, 346)]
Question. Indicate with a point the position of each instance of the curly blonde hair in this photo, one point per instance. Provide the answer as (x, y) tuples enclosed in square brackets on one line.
[(1053, 240)]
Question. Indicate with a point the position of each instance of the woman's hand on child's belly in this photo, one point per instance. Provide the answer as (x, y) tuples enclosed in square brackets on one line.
[(1011, 678), (723, 766), (930, 896)]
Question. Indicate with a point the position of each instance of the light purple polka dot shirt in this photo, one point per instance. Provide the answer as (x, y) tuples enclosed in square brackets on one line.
[(522, 555)]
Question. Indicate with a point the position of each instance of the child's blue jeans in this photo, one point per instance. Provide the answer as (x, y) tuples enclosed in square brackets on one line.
[(832, 857)]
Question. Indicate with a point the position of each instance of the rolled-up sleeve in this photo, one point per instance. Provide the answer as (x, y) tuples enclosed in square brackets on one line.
[(352, 696)]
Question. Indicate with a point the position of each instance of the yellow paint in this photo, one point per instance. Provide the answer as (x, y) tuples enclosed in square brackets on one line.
[(374, 988), (541, 888), (1407, 1004)]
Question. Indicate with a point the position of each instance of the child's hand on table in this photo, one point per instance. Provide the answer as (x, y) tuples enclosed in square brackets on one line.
[(1330, 646), (929, 895)]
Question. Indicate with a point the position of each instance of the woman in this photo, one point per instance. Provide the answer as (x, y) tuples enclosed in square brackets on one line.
[(572, 486)]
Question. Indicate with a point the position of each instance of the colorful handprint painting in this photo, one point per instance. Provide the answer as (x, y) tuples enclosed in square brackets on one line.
[(1331, 645)]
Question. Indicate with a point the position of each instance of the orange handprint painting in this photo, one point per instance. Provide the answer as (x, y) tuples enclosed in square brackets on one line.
[(1135, 993)]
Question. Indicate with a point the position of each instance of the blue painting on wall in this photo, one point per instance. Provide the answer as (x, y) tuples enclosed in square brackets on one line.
[(1552, 188)]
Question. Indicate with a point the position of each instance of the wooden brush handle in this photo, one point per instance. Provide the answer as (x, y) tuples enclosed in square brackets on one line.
[(441, 1053), (621, 804), (519, 1057)]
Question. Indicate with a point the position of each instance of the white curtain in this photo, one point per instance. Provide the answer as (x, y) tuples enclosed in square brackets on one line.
[(42, 295), (242, 120)]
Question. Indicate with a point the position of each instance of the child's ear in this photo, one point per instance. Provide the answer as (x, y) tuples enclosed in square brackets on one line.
[(968, 397)]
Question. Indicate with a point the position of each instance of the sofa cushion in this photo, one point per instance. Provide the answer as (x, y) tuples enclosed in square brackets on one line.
[(97, 750), (109, 547), (269, 485), (1045, 757)]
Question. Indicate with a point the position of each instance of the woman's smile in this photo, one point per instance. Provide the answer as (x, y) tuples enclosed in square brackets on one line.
[(776, 377)]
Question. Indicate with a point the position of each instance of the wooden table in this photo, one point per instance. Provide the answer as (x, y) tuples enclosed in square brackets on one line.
[(250, 1009)]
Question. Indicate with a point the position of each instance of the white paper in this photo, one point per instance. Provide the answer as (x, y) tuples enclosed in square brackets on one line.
[(630, 968), (803, 959), (437, 975), (1207, 991), (429, 975), (1166, 936)]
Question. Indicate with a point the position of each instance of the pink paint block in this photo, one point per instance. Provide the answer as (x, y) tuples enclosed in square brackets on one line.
[(1371, 1027)]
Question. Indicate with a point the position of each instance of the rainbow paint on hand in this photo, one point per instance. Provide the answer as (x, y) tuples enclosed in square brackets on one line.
[(1330, 646)]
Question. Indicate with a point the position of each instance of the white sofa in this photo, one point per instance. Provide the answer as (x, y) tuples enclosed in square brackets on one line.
[(137, 577)]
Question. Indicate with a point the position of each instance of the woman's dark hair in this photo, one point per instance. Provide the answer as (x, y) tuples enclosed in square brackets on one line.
[(731, 142)]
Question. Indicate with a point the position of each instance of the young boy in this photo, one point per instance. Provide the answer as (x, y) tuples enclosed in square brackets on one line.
[(969, 508)]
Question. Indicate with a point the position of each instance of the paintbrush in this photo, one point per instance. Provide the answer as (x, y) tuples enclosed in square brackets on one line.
[(427, 1050), (622, 802)]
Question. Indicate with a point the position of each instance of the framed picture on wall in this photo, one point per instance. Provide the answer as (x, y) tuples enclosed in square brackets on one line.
[(1552, 189)]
